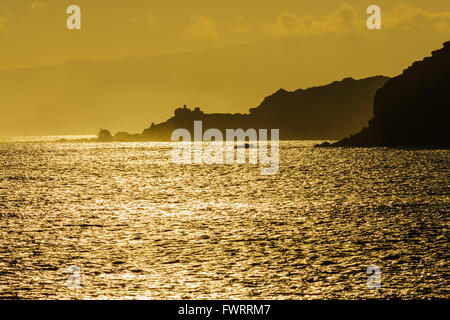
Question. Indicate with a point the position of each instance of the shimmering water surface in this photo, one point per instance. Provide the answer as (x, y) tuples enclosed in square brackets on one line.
[(138, 226)]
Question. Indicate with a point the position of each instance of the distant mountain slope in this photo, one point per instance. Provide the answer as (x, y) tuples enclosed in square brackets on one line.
[(326, 112), (412, 109), (80, 96)]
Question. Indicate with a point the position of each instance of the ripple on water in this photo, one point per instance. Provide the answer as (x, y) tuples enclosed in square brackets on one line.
[(138, 226)]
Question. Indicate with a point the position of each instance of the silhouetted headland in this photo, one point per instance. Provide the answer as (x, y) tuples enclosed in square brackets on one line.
[(325, 112), (412, 109)]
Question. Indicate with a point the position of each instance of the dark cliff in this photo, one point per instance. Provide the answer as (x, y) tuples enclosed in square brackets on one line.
[(412, 109)]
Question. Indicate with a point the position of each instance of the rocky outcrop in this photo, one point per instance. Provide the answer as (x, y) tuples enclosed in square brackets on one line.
[(105, 136), (412, 109), (327, 112)]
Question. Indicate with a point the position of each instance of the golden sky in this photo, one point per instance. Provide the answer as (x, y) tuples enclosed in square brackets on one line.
[(224, 56), (33, 32)]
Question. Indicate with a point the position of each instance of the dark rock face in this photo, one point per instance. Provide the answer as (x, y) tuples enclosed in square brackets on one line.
[(412, 109), (326, 112)]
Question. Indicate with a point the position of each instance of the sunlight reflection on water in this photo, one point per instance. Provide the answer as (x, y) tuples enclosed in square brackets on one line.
[(141, 227)]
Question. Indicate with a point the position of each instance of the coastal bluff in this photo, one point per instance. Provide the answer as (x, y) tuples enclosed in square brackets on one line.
[(330, 111), (412, 109)]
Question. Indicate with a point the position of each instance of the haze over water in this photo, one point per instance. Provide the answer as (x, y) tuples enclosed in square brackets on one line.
[(139, 226)]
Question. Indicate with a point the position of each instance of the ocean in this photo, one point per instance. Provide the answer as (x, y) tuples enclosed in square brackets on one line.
[(120, 221)]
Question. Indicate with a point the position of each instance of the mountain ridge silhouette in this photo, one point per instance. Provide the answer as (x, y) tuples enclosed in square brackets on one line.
[(323, 112)]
